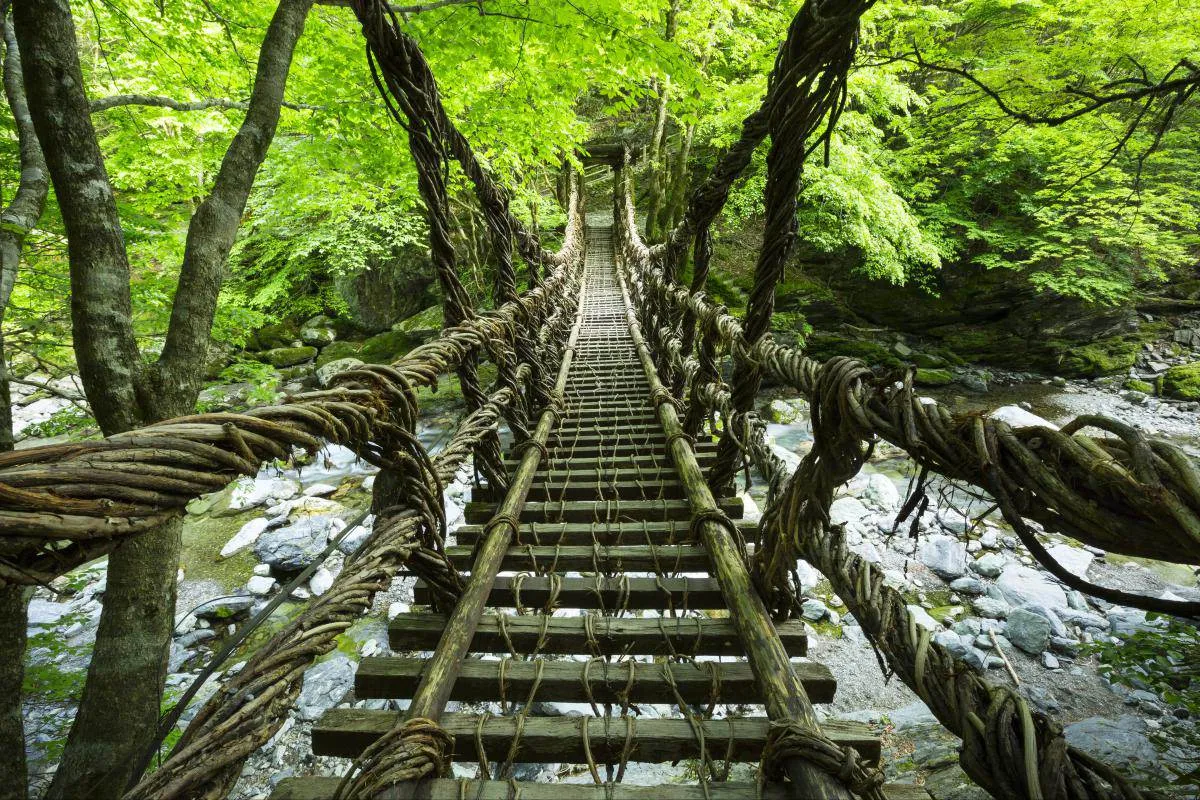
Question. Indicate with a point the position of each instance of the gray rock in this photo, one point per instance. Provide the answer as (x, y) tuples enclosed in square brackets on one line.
[(326, 372), (953, 521), (913, 715), (1028, 631), (324, 686), (976, 659), (989, 538), (847, 510), (881, 492), (1073, 559), (1018, 417), (355, 538), (968, 585), (293, 547), (1043, 699), (196, 637), (966, 627), (988, 565), (317, 336), (975, 380), (45, 613), (1121, 743), (260, 585), (990, 607), (1128, 621), (1049, 661), (1134, 396), (224, 609), (814, 610), (1064, 645), (1084, 619), (922, 618), (952, 642), (1057, 628), (945, 555), (1020, 585)]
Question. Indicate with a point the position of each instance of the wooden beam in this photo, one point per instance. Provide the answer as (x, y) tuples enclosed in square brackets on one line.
[(655, 636)]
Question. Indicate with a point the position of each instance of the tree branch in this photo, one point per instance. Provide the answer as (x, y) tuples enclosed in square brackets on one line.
[(417, 9), (158, 101)]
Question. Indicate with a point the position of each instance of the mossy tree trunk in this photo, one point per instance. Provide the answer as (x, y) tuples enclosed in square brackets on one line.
[(118, 716)]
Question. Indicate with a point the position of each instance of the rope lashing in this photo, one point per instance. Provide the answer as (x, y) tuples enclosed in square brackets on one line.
[(789, 740), (416, 749), (661, 394)]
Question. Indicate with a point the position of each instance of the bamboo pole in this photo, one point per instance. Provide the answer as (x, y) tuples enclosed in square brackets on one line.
[(433, 692), (782, 691)]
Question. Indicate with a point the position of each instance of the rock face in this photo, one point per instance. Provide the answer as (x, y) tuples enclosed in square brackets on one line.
[(945, 555), (388, 290)]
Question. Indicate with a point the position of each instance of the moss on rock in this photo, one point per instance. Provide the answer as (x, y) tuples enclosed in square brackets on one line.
[(934, 377), (827, 345), (1104, 357), (337, 350), (288, 356), (1182, 382), (1139, 386), (385, 347)]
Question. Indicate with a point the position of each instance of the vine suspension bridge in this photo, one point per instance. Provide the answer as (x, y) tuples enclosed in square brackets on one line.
[(604, 560)]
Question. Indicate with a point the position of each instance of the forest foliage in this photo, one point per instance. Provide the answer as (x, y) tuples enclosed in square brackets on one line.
[(925, 173)]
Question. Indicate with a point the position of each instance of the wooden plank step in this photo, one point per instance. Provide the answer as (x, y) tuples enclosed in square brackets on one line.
[(605, 533), (478, 511), (562, 459), (563, 681), (621, 450), (606, 490), (609, 475), (346, 732), (598, 592), (321, 787), (693, 636), (570, 427), (669, 558), (618, 435)]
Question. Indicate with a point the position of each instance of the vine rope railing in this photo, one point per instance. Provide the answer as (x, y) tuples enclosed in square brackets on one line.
[(1125, 492)]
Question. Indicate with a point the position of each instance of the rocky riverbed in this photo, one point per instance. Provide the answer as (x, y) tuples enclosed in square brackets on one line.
[(969, 581)]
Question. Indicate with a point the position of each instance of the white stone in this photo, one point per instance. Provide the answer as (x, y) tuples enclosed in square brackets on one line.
[(260, 585), (319, 490), (881, 492), (1073, 560), (262, 569), (1020, 585), (1018, 417), (320, 582), (247, 493), (868, 551), (246, 536), (368, 483), (922, 618), (945, 555), (847, 511)]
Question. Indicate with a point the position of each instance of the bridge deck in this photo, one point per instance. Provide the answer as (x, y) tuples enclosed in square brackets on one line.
[(606, 602)]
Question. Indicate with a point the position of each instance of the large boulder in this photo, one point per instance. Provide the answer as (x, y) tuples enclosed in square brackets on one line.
[(293, 547), (326, 373), (945, 555), (337, 350), (1120, 742), (1020, 585), (288, 356), (246, 493), (1182, 382), (424, 325), (1027, 630), (391, 288), (269, 337), (225, 609)]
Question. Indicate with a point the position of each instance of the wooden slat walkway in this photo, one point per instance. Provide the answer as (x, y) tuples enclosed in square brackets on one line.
[(605, 536)]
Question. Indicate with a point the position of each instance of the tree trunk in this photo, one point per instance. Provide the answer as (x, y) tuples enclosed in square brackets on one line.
[(173, 383), (654, 161), (13, 777), (673, 211), (119, 710), (16, 221)]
